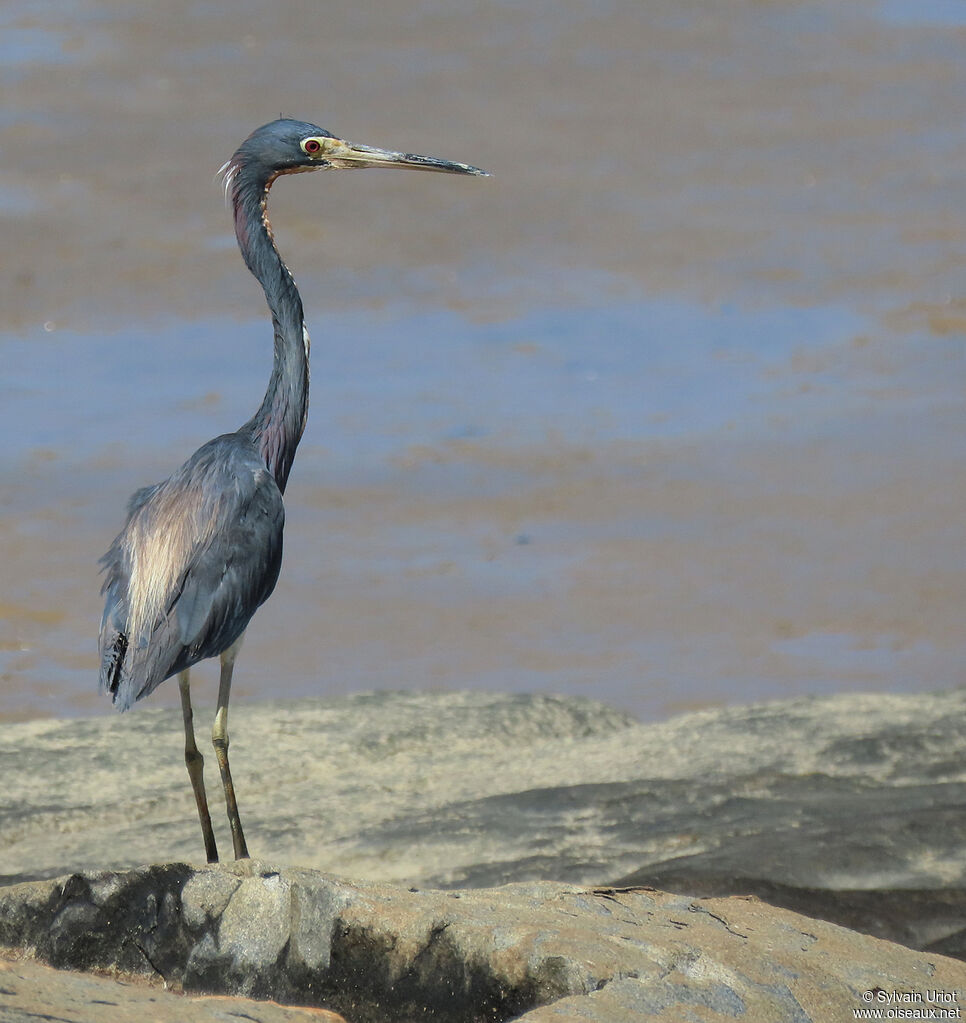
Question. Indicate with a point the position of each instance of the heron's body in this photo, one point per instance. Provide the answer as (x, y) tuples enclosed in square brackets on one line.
[(201, 551), (199, 554)]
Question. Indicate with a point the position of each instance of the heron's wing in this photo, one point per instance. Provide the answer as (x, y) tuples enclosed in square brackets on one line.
[(113, 639), (232, 574), (141, 497), (199, 553)]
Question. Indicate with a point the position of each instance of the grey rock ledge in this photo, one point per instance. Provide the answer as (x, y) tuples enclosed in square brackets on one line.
[(534, 951)]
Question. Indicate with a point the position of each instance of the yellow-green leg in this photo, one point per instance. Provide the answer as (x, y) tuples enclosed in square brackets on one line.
[(195, 763), (219, 739)]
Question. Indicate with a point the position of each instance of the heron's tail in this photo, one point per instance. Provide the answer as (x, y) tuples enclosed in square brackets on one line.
[(115, 677), (112, 664)]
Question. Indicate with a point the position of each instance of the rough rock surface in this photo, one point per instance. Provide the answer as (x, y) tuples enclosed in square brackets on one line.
[(856, 791), (535, 952), (933, 920), (846, 807), (30, 991)]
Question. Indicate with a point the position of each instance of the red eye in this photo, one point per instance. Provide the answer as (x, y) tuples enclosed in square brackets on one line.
[(312, 145)]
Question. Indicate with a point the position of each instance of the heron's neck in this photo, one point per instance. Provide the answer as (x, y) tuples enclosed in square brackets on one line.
[(276, 428)]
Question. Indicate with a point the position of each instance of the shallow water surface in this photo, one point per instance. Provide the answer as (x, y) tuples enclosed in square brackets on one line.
[(583, 502), (667, 411)]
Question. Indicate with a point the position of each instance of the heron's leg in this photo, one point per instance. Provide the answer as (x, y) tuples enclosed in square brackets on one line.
[(219, 739), (196, 766)]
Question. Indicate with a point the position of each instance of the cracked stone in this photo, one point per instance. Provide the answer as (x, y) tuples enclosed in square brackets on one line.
[(537, 953)]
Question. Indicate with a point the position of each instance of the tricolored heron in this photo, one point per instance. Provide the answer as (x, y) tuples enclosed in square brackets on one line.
[(201, 551)]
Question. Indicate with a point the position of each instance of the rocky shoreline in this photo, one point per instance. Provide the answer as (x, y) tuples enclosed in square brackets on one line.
[(535, 952), (520, 852)]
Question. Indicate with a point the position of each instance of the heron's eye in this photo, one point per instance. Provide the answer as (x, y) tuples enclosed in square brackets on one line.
[(311, 146)]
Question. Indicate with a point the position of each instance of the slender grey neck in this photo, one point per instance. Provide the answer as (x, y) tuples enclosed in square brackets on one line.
[(276, 428)]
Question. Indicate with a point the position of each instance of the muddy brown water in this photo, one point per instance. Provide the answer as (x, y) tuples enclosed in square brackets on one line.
[(668, 411)]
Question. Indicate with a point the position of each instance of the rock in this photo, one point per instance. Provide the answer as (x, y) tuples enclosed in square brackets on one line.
[(30, 991), (334, 785), (847, 807), (477, 789), (931, 920), (537, 952)]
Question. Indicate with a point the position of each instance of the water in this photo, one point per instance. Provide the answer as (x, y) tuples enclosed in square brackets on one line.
[(461, 483), (667, 411), (932, 12), (391, 381)]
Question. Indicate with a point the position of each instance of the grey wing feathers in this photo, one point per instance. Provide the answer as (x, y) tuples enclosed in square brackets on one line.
[(141, 497), (198, 555), (232, 574)]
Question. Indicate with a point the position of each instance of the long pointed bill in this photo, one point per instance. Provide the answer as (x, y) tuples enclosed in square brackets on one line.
[(347, 155)]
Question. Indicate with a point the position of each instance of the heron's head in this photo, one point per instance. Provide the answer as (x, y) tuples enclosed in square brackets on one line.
[(291, 147)]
